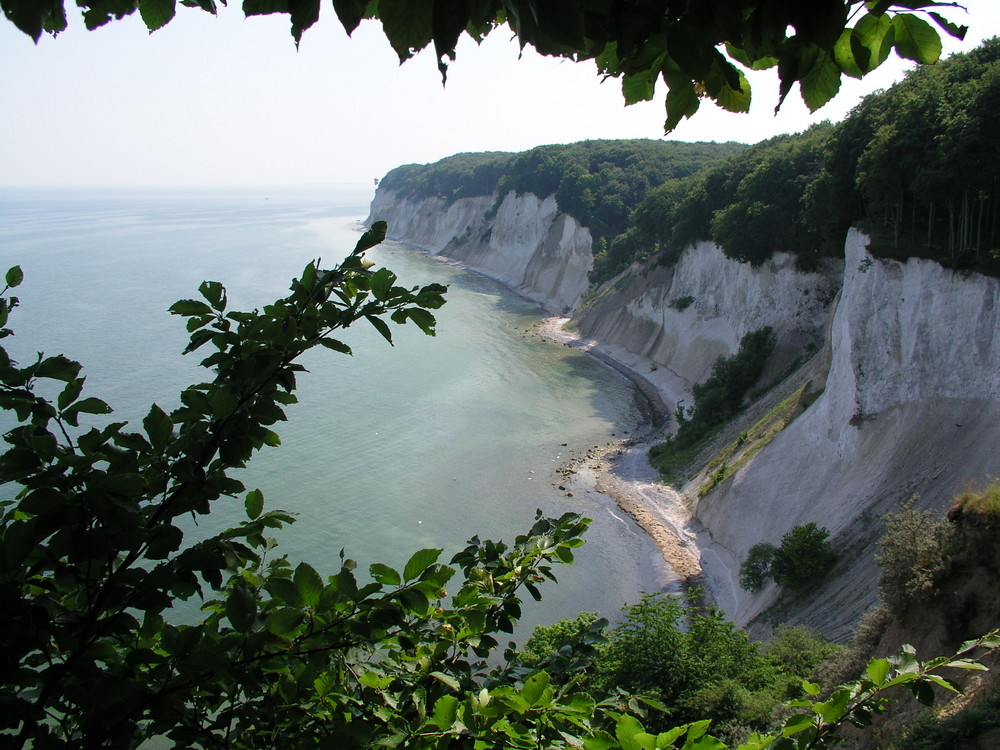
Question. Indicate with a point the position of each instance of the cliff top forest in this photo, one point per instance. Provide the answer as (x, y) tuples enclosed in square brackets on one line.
[(916, 166)]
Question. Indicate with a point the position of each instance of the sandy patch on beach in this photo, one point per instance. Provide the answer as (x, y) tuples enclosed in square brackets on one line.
[(623, 472)]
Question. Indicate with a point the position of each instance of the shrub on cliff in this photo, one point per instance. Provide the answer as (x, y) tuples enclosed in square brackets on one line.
[(756, 569), (804, 555), (717, 400), (912, 553)]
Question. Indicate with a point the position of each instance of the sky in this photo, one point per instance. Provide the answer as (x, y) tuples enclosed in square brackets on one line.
[(227, 101)]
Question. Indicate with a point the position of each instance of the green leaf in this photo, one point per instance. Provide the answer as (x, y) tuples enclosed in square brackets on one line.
[(600, 740), (732, 100), (283, 589), (875, 34), (923, 693), (254, 504), (906, 660), (337, 346), (415, 601), (58, 368), (419, 562), (384, 574), (810, 688), (14, 276), (821, 83), (447, 679), (70, 393), (189, 307), (849, 54), (534, 688), (285, 621), (967, 664), (371, 238), (381, 326), (916, 39), (375, 680), (632, 736), (381, 282), (941, 681), (953, 29), (159, 427), (90, 406), (641, 86), (445, 712), (833, 709), (308, 584), (215, 293), (223, 402), (157, 13), (877, 670), (424, 320), (350, 13), (241, 608), (682, 101), (408, 24)]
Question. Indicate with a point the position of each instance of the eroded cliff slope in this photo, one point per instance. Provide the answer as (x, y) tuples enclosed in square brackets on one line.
[(907, 356), (911, 406)]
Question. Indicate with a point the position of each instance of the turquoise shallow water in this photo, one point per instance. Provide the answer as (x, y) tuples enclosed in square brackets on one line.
[(421, 444)]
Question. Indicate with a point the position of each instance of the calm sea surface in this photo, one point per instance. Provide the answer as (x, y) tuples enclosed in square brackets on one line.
[(421, 444)]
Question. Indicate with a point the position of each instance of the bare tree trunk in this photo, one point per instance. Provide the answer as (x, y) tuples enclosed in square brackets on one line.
[(951, 227), (979, 227), (930, 223)]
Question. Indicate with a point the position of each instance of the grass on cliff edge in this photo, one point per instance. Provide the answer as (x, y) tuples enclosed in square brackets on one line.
[(750, 442), (984, 502)]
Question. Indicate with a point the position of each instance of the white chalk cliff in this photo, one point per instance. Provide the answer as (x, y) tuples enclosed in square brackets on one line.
[(911, 406), (910, 353), (527, 243)]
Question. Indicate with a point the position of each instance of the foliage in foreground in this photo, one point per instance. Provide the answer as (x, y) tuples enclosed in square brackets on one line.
[(689, 661), (698, 51), (93, 559)]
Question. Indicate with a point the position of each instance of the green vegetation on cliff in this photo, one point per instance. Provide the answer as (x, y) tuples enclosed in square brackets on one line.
[(918, 166), (599, 183), (458, 176), (716, 401)]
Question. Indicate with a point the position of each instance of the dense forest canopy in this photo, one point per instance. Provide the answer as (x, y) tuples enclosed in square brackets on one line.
[(600, 182), (459, 176), (697, 49), (917, 166)]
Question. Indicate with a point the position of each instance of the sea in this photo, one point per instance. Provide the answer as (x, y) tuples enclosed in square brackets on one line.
[(423, 443)]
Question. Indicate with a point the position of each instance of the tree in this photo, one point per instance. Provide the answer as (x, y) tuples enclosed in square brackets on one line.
[(756, 569), (641, 43), (804, 555)]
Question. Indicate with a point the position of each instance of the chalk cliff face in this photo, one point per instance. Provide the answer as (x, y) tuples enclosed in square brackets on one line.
[(909, 355), (527, 243), (911, 406), (686, 316)]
